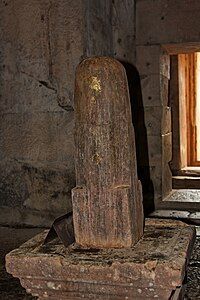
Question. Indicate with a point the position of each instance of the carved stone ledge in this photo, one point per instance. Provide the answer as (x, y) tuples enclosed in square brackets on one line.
[(153, 269)]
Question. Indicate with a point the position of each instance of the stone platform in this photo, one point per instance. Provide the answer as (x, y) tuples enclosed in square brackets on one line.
[(155, 268)]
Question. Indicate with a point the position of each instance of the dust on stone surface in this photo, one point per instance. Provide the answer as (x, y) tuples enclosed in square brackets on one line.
[(10, 288), (10, 238), (193, 285), (156, 245)]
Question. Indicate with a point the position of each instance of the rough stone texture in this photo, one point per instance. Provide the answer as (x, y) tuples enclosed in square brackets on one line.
[(162, 28), (33, 53), (154, 90), (184, 215), (193, 286), (34, 193), (157, 120), (153, 65), (152, 59), (107, 200), (184, 195), (41, 44), (123, 25), (38, 54), (10, 288), (186, 182), (159, 149), (154, 268), (11, 238), (98, 38), (185, 199), (167, 22)]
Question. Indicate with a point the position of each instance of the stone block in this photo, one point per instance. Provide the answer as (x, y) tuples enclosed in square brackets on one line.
[(22, 217), (153, 120), (44, 42), (159, 156), (166, 180), (168, 214), (164, 91), (160, 22), (165, 63), (160, 149), (185, 182), (123, 32), (153, 269), (155, 149), (156, 177), (167, 147), (154, 90), (184, 196), (152, 60), (41, 44), (166, 120), (37, 137), (34, 192), (24, 38), (98, 28), (157, 159), (26, 94), (157, 119)]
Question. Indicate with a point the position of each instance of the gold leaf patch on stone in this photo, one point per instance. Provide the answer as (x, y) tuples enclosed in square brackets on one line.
[(95, 84)]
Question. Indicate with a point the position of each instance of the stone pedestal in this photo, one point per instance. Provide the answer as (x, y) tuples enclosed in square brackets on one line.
[(155, 268), (110, 259)]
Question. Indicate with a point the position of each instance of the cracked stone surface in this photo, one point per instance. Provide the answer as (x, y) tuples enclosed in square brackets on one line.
[(157, 258), (10, 288)]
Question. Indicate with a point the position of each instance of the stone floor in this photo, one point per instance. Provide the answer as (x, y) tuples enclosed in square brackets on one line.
[(193, 286), (184, 195), (10, 288)]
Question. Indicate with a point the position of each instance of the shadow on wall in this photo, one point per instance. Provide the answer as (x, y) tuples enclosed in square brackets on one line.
[(140, 136)]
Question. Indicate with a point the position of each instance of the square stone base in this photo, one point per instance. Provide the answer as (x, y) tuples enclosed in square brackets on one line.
[(155, 268)]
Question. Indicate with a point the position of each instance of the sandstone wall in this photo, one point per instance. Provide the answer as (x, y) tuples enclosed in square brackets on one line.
[(163, 28), (41, 44)]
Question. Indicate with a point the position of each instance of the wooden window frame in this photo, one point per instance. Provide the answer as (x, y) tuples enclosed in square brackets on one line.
[(190, 85), (183, 102)]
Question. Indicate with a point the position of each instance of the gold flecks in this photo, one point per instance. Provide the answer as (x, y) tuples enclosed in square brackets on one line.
[(96, 158), (93, 100), (95, 84)]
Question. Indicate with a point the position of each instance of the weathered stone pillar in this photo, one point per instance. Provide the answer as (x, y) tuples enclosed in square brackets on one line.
[(107, 211), (107, 200)]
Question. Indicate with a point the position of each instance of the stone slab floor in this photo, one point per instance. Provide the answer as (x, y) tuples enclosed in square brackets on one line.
[(10, 288)]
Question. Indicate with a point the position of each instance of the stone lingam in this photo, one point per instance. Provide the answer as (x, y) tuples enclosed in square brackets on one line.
[(114, 256)]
